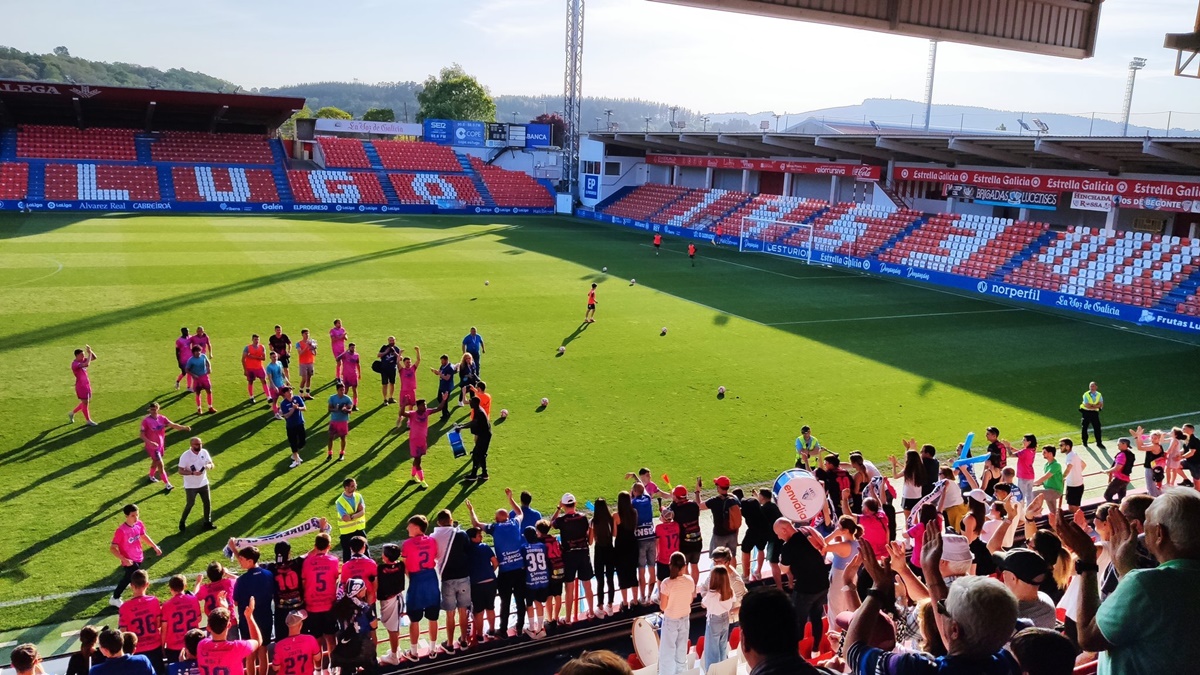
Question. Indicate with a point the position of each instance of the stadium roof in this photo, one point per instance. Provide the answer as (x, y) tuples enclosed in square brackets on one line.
[(150, 109), (1051, 27), (1120, 155)]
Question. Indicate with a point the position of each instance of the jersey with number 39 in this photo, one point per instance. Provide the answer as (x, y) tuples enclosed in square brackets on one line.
[(320, 581), (537, 568)]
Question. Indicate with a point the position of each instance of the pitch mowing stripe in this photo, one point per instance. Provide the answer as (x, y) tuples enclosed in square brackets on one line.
[(840, 277), (893, 316)]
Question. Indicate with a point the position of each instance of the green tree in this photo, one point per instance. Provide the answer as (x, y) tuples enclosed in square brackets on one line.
[(288, 128), (380, 115), (331, 113), (558, 127), (455, 95), (61, 51)]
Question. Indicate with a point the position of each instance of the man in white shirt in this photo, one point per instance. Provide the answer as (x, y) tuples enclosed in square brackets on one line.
[(1073, 467), (194, 466)]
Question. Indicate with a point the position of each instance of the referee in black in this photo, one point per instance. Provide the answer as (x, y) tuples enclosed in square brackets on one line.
[(1089, 409)]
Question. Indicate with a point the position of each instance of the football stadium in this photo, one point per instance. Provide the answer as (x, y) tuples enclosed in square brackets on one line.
[(840, 397)]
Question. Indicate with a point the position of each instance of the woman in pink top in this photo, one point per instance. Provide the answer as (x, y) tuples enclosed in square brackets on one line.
[(1025, 471), (675, 596), (337, 345), (154, 436), (83, 385)]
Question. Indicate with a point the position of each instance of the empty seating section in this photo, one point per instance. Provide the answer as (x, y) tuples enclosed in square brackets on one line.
[(14, 180), (970, 245), (335, 187), (765, 216), (856, 229), (711, 210), (344, 153), (513, 188), (688, 203), (644, 201), (417, 156), (1134, 268), (223, 184), (101, 182), (53, 142), (434, 189), (199, 146)]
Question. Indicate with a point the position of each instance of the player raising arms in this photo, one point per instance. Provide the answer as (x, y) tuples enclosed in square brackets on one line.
[(408, 381), (337, 345), (306, 350), (590, 315), (350, 370), (254, 357), (183, 352), (418, 437), (154, 435), (83, 385), (199, 368)]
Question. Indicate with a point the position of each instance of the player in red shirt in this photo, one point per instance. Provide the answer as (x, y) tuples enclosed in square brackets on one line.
[(319, 578), (142, 616), (692, 253), (298, 653), (180, 614), (359, 566), (657, 243), (590, 315)]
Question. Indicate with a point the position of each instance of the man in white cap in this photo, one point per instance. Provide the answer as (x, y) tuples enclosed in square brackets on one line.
[(957, 559), (297, 653), (576, 539)]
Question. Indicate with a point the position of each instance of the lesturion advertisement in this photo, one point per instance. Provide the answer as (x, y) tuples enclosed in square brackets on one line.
[(1091, 307)]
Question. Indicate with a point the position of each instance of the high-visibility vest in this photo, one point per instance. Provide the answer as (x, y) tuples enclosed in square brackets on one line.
[(351, 506), (1090, 399)]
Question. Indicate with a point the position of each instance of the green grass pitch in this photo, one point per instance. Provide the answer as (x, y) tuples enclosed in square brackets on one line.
[(793, 344)]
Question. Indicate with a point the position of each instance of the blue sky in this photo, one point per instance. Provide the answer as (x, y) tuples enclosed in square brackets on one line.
[(705, 60)]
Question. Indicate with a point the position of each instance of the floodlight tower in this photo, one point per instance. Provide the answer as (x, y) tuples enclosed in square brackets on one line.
[(1135, 65), (573, 92), (929, 75)]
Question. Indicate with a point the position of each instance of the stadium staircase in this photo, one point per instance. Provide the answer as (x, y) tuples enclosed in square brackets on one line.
[(465, 162), (614, 197), (893, 195), (8, 144), (389, 190), (899, 236), (143, 143), (166, 184), (1181, 294), (1034, 247), (480, 186), (37, 181), (373, 157)]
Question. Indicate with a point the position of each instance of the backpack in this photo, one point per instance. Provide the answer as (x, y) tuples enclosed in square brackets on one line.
[(733, 515)]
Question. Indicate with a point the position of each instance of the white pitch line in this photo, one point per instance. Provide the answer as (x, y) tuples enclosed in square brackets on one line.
[(760, 269), (6, 645), (44, 276), (893, 316), (70, 633)]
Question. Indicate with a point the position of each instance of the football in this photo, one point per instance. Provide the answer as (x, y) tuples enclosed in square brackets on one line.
[(632, 282), (603, 269), (545, 401), (720, 390), (664, 330), (485, 283), (504, 413), (562, 350)]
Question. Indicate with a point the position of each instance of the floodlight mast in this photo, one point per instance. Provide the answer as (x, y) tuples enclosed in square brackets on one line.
[(573, 94), (1136, 64)]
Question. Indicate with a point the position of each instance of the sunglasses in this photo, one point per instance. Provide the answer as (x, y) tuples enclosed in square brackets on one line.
[(941, 609)]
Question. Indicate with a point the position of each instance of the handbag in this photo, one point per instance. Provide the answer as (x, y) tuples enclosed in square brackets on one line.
[(377, 366)]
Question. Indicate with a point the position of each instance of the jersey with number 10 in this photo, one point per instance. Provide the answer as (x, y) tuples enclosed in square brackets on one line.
[(320, 581), (289, 592)]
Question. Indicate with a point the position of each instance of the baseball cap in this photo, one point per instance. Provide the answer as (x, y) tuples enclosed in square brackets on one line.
[(721, 482), (679, 491), (568, 499), (956, 548), (980, 496), (1028, 566), (297, 617)]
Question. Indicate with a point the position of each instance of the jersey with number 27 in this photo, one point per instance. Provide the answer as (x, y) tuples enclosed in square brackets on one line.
[(294, 655)]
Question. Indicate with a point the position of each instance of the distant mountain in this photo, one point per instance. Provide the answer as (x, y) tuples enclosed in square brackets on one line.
[(60, 66)]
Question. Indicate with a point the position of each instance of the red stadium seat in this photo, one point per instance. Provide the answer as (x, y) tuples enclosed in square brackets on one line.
[(344, 153), (417, 156), (335, 187), (103, 182), (14, 180), (60, 142), (201, 147), (223, 184)]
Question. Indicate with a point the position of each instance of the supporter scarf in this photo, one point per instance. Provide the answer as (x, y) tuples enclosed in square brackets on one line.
[(934, 497), (875, 489), (310, 526)]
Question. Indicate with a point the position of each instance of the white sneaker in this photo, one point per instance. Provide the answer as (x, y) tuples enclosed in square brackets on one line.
[(92, 424), (71, 418), (390, 659), (115, 602), (295, 464), (153, 479)]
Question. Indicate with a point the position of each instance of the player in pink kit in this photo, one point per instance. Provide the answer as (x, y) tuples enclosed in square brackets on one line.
[(337, 345), (218, 655), (351, 370), (83, 384), (319, 579), (180, 613), (154, 436), (361, 566), (142, 616), (183, 352), (424, 598), (200, 339), (408, 381), (296, 654), (418, 437)]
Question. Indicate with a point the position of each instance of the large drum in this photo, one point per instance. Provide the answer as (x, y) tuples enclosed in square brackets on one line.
[(799, 494), (646, 630)]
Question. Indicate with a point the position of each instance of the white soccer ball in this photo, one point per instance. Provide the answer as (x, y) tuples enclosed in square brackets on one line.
[(664, 330), (720, 390), (504, 413), (486, 283), (632, 282), (562, 350), (545, 401), (603, 269)]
